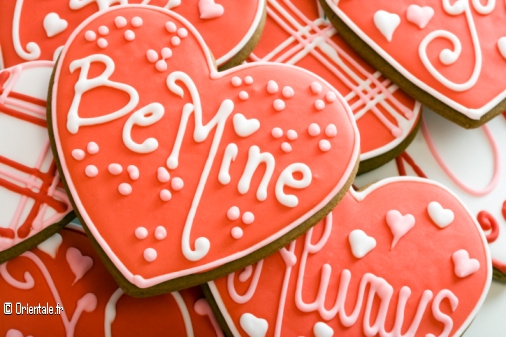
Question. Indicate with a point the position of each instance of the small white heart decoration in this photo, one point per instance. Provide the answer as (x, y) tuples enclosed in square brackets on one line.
[(501, 44), (254, 326), (419, 16), (386, 23), (245, 127), (51, 245), (361, 243), (464, 265), (321, 329), (440, 216), (210, 10), (54, 25)]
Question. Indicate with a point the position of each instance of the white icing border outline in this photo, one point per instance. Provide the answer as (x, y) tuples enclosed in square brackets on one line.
[(138, 280)]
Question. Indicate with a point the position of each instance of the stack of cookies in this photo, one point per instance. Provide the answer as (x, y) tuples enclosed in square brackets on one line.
[(250, 168)]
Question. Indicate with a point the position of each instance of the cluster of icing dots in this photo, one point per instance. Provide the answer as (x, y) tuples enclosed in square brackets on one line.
[(314, 130), (287, 92), (236, 82), (133, 173), (141, 233), (247, 218), (160, 61), (120, 22), (164, 177), (92, 148), (317, 89), (291, 135)]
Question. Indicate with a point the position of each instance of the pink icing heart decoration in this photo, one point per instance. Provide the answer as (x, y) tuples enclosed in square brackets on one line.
[(30, 30), (464, 265), (78, 263), (399, 224), (410, 289), (445, 54), (192, 164), (93, 305)]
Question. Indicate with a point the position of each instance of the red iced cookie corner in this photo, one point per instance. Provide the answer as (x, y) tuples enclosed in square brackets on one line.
[(62, 288), (31, 196), (177, 169), (404, 257)]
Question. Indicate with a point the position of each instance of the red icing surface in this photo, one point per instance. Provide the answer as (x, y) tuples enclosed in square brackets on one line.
[(480, 54), (84, 301), (327, 159), (237, 21), (296, 33), (420, 260)]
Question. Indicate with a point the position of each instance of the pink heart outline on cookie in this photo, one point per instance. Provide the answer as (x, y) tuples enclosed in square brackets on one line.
[(390, 291), (167, 148), (445, 55)]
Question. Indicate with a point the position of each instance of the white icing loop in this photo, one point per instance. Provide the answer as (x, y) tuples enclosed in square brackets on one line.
[(286, 179), (146, 116)]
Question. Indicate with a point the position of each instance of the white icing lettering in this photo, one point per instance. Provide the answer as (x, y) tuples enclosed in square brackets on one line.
[(146, 116), (32, 49), (85, 84), (102, 4), (228, 158), (255, 158), (440, 316), (286, 179)]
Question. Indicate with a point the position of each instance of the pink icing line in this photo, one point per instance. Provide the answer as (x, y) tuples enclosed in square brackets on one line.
[(497, 166)]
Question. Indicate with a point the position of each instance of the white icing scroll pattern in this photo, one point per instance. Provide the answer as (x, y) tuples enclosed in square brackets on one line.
[(32, 49), (86, 303), (449, 57), (102, 4)]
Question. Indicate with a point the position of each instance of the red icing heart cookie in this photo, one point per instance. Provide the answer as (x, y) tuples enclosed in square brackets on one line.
[(33, 204), (168, 160), (379, 265), (64, 275), (446, 54), (31, 30), (296, 33)]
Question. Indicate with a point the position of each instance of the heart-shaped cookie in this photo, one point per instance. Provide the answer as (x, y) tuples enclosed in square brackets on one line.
[(30, 30), (177, 170), (33, 204), (449, 56), (297, 33), (431, 283), (92, 305)]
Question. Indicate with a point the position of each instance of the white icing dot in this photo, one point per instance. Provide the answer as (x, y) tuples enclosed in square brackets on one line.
[(133, 172), (166, 52), (248, 80), (129, 35), (182, 33), (176, 41), (331, 130), (170, 26), (248, 218), (163, 175), (288, 92), (136, 21), (152, 56), (236, 233), (313, 129), (78, 154), (233, 213), (120, 22), (115, 169), (272, 87), (319, 105), (292, 134), (102, 43), (91, 171), (331, 97), (103, 30), (243, 95), (236, 81), (161, 65), (90, 36), (177, 184), (150, 254), (277, 133), (316, 88), (286, 147), (279, 105), (92, 148), (141, 233), (125, 189), (160, 233), (324, 145), (165, 195)]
